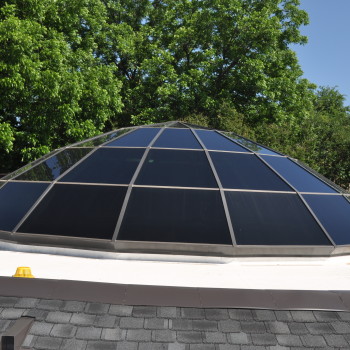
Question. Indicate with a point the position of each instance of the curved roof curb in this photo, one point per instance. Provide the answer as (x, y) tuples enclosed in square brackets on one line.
[(175, 296)]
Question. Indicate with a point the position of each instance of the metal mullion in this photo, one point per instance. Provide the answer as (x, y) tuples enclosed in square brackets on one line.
[(54, 182), (222, 193), (301, 198), (132, 181), (317, 177)]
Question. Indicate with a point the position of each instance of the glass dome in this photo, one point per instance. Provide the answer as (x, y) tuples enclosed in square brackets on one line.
[(174, 188)]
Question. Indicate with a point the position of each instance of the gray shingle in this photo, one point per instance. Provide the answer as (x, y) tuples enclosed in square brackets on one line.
[(204, 325), (47, 304), (138, 335), (39, 315), (8, 301), (73, 306), (26, 303), (88, 333), (153, 346), (101, 345), (167, 311), (107, 321), (253, 327), (70, 344), (192, 313), (48, 343), (113, 334), (345, 316), (144, 311), (120, 310), (164, 335), (228, 347), (319, 328), (278, 327), (264, 339), (131, 323), (288, 340), (284, 316), (41, 328), (97, 308), (82, 319), (313, 340), (215, 337), (303, 316), (180, 324), (336, 340), (216, 314), (202, 347), (297, 328), (58, 317), (264, 315), (176, 346), (4, 325), (127, 346), (12, 313), (239, 338), (29, 341), (229, 326), (63, 330), (189, 337), (326, 316), (241, 314), (341, 327), (156, 323)]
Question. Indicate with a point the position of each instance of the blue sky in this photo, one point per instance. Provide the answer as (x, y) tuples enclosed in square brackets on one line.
[(325, 59)]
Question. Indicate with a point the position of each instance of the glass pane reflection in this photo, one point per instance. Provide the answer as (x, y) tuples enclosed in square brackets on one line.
[(177, 138), (141, 137), (53, 167)]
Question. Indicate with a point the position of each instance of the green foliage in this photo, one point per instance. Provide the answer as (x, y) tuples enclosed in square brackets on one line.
[(53, 88)]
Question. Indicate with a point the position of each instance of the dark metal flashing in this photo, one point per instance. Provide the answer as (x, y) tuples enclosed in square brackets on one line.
[(14, 337), (126, 294)]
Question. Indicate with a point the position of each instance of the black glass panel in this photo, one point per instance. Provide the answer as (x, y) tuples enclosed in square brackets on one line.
[(246, 171), (16, 198), (177, 138), (273, 219), (249, 144), (298, 177), (334, 214), (53, 167), (107, 165), (213, 140), (77, 211), (141, 137), (102, 139), (176, 168), (171, 215)]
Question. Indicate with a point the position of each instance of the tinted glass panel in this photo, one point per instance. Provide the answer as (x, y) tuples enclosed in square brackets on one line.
[(177, 138), (170, 215), (107, 165), (139, 138), (16, 198), (250, 144), (2, 183), (246, 171), (334, 214), (176, 168), (53, 167), (273, 219), (215, 141), (302, 180), (102, 139), (77, 211)]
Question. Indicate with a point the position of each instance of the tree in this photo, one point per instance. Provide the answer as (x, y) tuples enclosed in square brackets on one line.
[(53, 88)]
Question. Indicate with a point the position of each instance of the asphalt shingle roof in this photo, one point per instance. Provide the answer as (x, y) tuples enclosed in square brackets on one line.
[(76, 325)]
